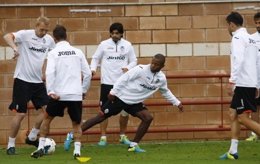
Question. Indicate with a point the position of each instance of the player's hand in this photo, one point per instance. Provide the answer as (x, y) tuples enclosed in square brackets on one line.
[(83, 96), (16, 54), (180, 106), (54, 96), (111, 97), (43, 78), (230, 89), (257, 94), (93, 73), (124, 70)]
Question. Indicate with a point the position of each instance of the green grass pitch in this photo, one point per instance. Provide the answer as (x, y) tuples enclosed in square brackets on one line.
[(197, 152)]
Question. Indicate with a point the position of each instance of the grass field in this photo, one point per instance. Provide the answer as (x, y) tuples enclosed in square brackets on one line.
[(198, 152)]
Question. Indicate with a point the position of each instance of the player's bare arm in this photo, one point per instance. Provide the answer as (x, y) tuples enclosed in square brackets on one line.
[(9, 38)]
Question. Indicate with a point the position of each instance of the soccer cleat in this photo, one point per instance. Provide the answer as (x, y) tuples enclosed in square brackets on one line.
[(11, 151), (76, 156), (102, 142), (136, 149), (124, 140), (252, 138), (37, 153), (68, 141), (229, 156), (34, 143)]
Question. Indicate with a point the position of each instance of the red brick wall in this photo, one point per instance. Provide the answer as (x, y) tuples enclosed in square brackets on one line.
[(193, 36)]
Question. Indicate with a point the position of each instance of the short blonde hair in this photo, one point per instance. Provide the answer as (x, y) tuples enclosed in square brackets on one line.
[(43, 19)]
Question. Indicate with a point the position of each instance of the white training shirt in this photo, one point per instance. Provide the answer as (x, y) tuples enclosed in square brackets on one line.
[(244, 60), (139, 83), (32, 53), (112, 57), (65, 67), (256, 37)]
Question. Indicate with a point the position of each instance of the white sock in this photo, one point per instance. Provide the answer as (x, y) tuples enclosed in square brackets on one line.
[(41, 142), (233, 146), (253, 133), (103, 137), (77, 146), (122, 135), (11, 142), (33, 134), (133, 144)]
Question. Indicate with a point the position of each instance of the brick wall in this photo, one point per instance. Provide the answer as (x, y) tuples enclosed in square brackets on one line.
[(193, 36)]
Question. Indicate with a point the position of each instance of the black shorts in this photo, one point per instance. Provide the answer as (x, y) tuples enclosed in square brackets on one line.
[(115, 107), (104, 91), (24, 91), (244, 100), (56, 108)]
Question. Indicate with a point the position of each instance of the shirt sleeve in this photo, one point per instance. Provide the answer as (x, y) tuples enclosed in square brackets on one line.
[(129, 76), (237, 49), (50, 74), (96, 58), (19, 36), (167, 94), (52, 44), (86, 73), (132, 58), (258, 68)]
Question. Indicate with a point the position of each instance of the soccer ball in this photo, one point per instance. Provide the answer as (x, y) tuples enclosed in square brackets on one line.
[(49, 146)]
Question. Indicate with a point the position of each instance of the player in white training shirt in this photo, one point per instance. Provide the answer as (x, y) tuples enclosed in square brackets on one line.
[(256, 37), (30, 48), (115, 56), (243, 82), (67, 78), (129, 92)]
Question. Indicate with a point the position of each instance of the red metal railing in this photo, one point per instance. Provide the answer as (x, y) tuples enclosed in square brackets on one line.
[(187, 101)]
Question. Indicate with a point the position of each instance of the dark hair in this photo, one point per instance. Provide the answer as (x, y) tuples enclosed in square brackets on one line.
[(257, 16), (235, 17), (59, 33), (116, 26), (160, 57)]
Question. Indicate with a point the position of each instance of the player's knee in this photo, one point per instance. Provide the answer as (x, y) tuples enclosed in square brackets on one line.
[(100, 113), (232, 116), (20, 116), (43, 108), (241, 118), (148, 118)]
